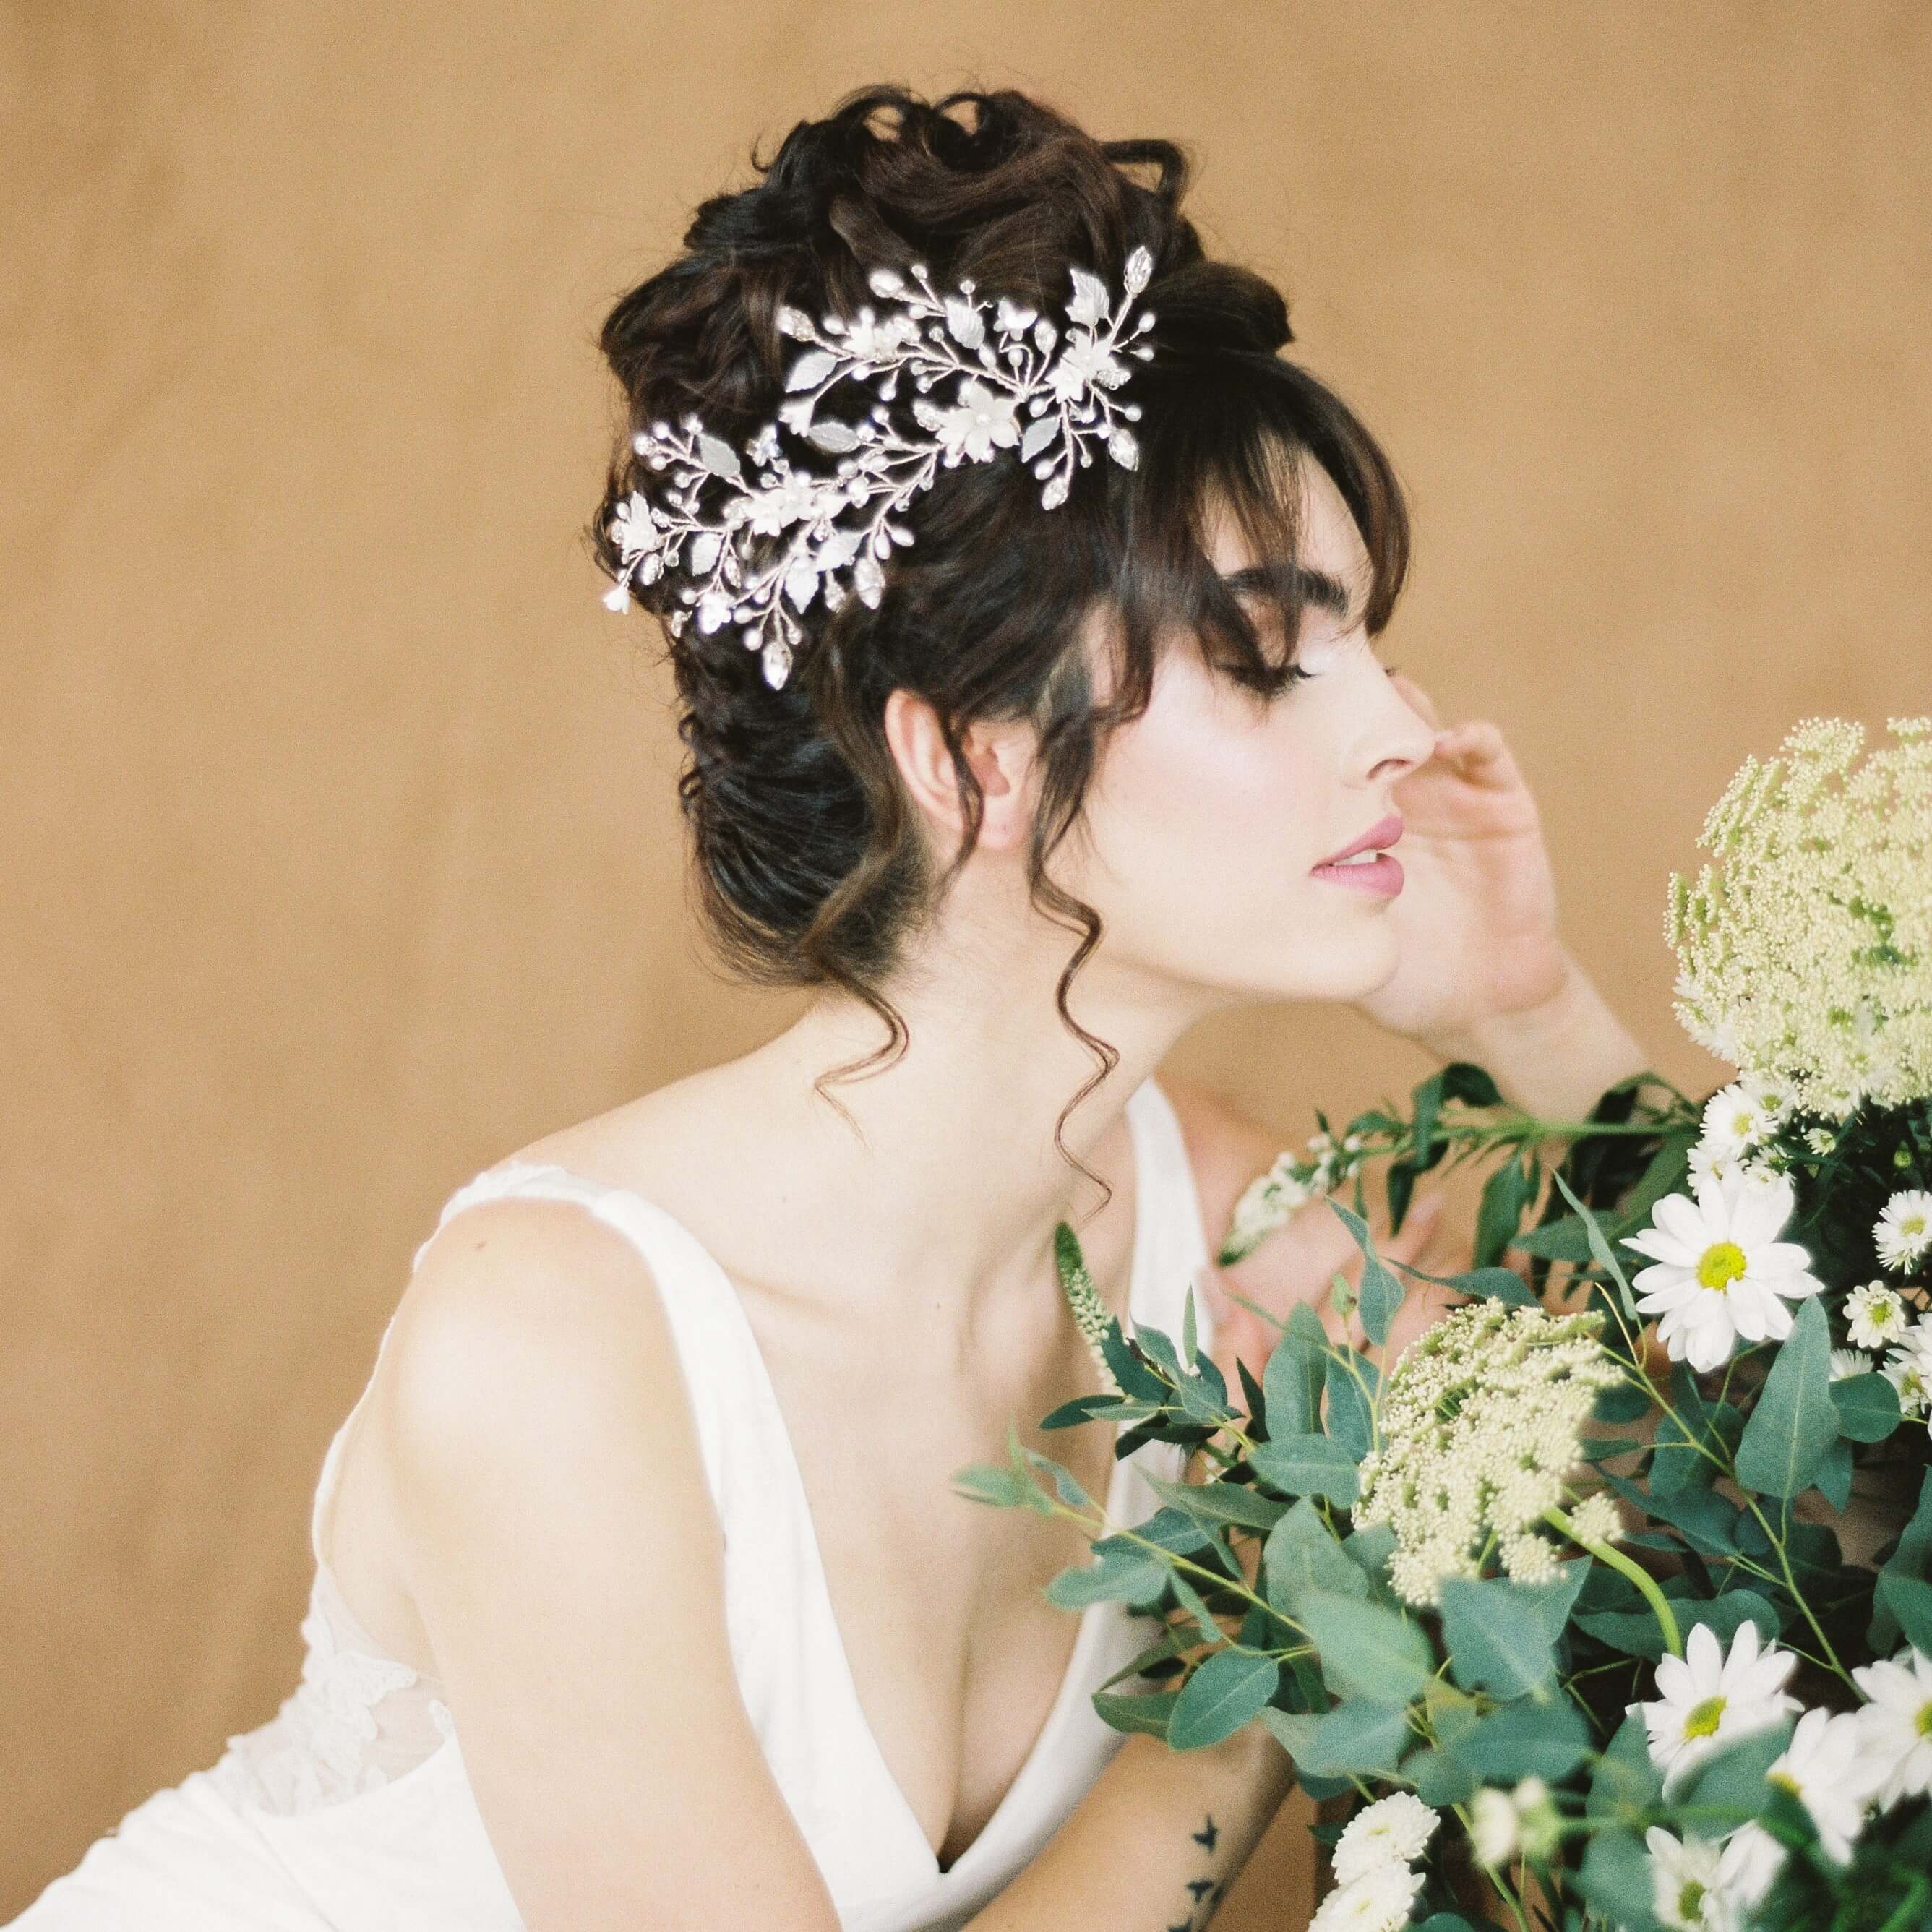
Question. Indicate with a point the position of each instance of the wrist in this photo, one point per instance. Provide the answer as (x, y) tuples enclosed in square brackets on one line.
[(1556, 1058)]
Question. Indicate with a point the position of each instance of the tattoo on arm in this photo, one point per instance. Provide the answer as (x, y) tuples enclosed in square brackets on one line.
[(1204, 1893)]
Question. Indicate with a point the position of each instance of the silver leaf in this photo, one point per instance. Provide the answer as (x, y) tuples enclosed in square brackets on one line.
[(835, 438), (1054, 494), (796, 323), (869, 580), (719, 457), (811, 369), (1123, 448), (1140, 266), (965, 323), (834, 593), (1089, 298), (801, 581), (704, 549), (1039, 433)]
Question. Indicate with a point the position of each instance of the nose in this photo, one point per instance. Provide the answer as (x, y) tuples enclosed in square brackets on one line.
[(1396, 737)]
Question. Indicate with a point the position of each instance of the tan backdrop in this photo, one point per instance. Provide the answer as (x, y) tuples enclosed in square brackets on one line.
[(341, 847)]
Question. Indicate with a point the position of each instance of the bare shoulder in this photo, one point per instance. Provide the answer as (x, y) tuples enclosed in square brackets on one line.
[(531, 1352), (1225, 1148)]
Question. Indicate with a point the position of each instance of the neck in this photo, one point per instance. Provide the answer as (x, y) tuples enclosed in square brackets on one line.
[(957, 1134)]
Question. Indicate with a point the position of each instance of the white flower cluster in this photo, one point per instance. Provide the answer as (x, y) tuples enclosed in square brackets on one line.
[(1479, 1422), (1804, 958), (1907, 1365), (1718, 1270), (1291, 1183), (1740, 1126), (835, 530), (1376, 1881), (1839, 1765)]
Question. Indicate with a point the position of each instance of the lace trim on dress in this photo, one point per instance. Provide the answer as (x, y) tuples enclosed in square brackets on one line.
[(357, 1721)]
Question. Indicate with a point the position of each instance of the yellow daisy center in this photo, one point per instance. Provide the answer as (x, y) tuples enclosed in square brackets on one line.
[(1785, 1779), (1704, 1718), (1690, 1902), (1721, 1264), (1923, 1726), (1913, 1224)]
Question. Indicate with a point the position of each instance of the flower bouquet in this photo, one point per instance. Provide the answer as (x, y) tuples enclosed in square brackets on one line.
[(1608, 1602)]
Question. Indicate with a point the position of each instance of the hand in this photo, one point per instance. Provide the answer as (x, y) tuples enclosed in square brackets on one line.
[(1476, 918)]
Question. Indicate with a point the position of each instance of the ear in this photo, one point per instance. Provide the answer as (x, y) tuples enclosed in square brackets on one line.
[(1000, 753)]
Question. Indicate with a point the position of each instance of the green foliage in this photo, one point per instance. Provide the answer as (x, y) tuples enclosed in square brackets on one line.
[(1497, 1636), (1224, 1693), (1367, 1650), (1795, 1420)]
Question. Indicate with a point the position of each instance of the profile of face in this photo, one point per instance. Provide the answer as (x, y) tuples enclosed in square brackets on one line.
[(1211, 815)]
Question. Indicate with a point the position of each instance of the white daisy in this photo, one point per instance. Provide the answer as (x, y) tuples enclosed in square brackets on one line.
[(1908, 1368), (1392, 1830), (1697, 1885), (1874, 1315), (1707, 1698), (1895, 1728), (1377, 1901), (1744, 1115), (1719, 1271), (1842, 1362), (1826, 1768), (1903, 1230)]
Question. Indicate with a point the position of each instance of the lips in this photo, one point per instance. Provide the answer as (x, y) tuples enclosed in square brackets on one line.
[(1378, 837)]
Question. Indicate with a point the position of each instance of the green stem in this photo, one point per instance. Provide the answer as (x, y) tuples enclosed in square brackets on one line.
[(1660, 1604)]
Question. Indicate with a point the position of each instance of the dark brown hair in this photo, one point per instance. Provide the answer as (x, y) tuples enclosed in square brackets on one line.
[(810, 861)]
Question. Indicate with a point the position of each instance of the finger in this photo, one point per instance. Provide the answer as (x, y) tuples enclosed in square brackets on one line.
[(1416, 697)]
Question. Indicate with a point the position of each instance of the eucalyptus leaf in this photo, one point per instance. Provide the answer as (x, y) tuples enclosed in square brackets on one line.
[(1220, 1502), (1224, 1692), (1301, 1554), (1379, 1294), (1350, 1416), (1868, 1408), (1440, 1778), (1356, 1738), (1545, 1739), (1495, 1637), (1149, 1711), (1795, 1420), (1291, 1382), (1910, 1602), (1367, 1650), (1908, 1559), (987, 1483), (1300, 1465), (1118, 1577)]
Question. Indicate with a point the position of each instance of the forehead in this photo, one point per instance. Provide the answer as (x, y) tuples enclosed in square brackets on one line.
[(1329, 541)]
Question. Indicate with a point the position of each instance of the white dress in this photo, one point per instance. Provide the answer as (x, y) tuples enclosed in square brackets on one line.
[(349, 1810)]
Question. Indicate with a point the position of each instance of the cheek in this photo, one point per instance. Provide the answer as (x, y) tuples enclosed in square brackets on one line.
[(1212, 804)]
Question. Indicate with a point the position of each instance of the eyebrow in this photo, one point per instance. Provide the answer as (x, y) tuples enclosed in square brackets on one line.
[(1295, 580)]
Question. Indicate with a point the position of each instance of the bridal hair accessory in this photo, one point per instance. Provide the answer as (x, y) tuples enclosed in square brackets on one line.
[(1003, 360)]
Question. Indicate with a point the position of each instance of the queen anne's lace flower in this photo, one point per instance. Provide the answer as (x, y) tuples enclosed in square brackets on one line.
[(842, 526), (1290, 1182), (1719, 1271), (1479, 1423), (1708, 1697), (1804, 958), (1393, 1830), (1904, 1232)]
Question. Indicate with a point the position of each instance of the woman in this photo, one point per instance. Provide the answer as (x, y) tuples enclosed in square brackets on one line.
[(641, 1598)]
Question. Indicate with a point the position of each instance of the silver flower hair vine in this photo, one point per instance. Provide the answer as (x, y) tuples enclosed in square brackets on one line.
[(1002, 359)]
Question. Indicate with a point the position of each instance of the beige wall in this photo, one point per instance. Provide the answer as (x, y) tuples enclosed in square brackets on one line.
[(341, 848)]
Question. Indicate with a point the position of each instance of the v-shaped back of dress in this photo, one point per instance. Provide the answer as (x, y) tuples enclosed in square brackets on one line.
[(357, 1782)]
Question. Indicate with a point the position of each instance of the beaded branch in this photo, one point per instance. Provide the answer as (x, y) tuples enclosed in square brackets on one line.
[(986, 375)]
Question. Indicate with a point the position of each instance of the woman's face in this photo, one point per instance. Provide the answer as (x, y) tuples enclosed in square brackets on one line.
[(1211, 813)]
